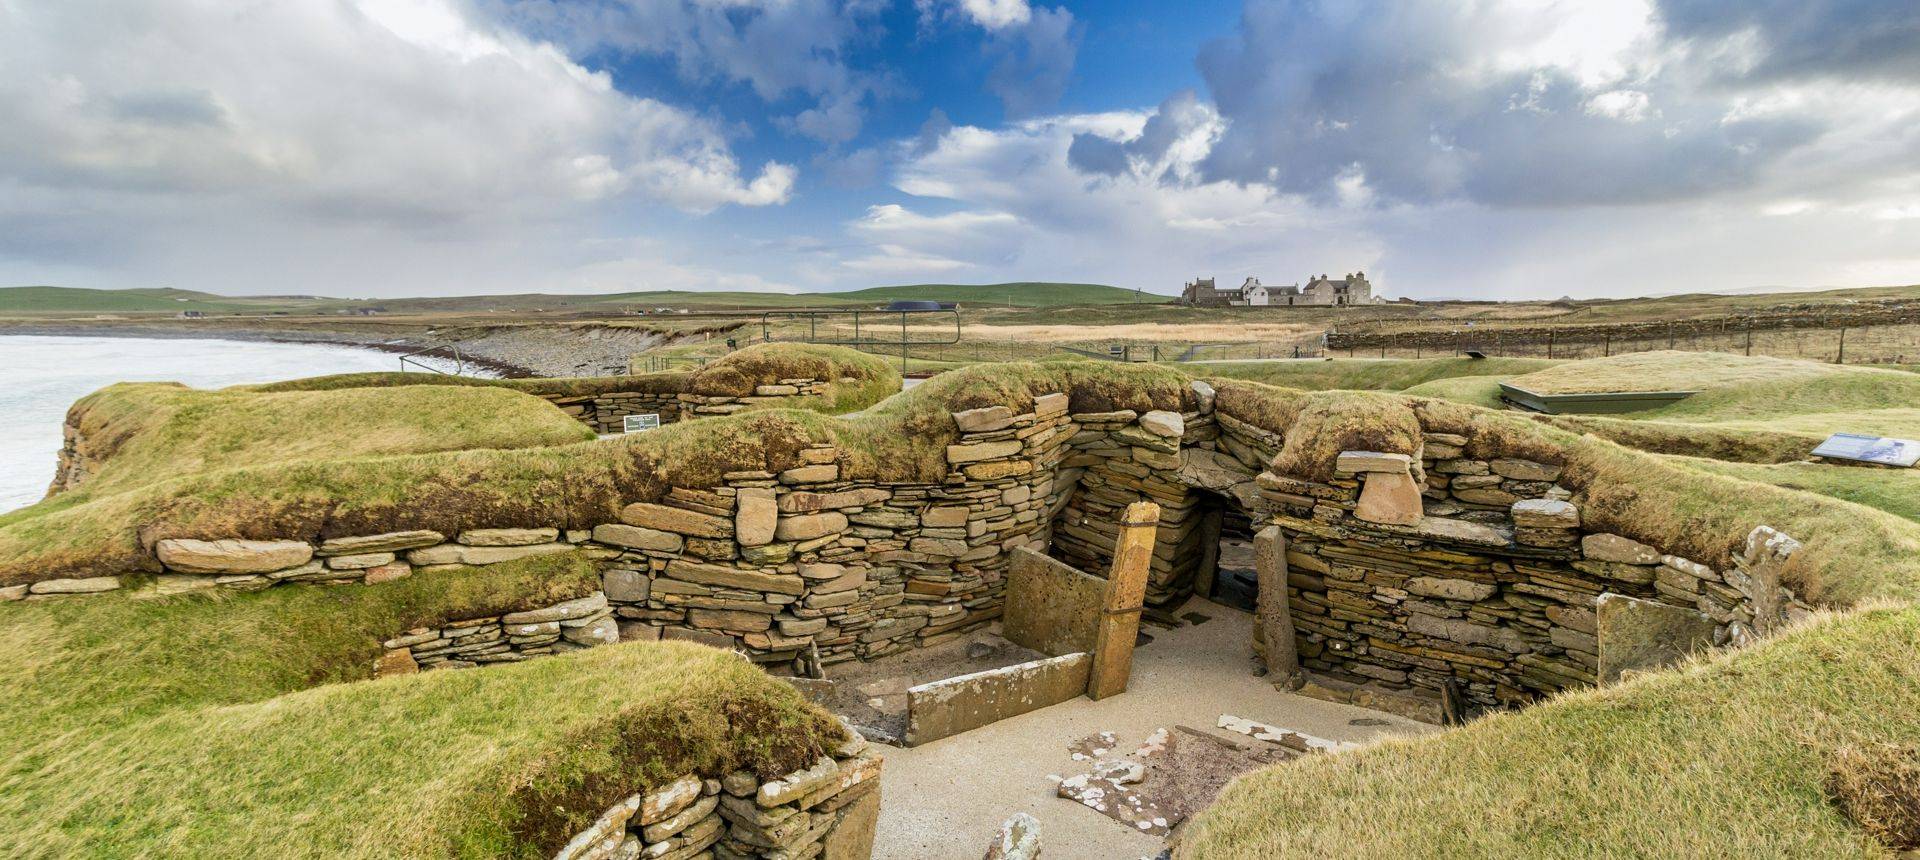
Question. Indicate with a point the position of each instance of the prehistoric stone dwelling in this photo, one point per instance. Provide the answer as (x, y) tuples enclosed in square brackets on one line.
[(1320, 291), (1421, 557)]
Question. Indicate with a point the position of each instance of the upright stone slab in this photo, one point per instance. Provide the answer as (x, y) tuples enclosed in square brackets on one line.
[(1272, 611), (1391, 498), (1126, 591), (1764, 561), (1638, 634)]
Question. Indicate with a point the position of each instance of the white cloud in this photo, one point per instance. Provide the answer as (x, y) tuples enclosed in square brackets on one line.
[(304, 122), (1137, 229), (1622, 105), (1019, 211), (997, 14)]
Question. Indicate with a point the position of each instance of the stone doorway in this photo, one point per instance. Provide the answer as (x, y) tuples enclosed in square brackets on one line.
[(1226, 573)]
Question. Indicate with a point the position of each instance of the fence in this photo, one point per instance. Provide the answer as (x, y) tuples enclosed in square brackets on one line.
[(1895, 343)]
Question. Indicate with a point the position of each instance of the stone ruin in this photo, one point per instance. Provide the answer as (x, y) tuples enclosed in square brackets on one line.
[(1427, 582)]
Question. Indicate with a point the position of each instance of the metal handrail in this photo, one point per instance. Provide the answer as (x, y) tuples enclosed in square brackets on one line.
[(813, 318), (459, 361)]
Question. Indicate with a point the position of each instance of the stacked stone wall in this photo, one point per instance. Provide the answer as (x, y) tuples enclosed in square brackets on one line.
[(827, 810), (466, 643), (605, 412), (1490, 596)]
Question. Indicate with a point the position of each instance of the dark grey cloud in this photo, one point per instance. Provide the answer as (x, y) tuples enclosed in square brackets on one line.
[(1808, 38), (170, 108), (1181, 114), (1407, 96)]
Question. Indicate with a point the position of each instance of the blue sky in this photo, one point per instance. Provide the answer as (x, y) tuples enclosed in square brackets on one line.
[(1495, 149)]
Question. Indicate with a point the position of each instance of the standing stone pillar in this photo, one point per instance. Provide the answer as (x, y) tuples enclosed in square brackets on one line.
[(1271, 610), (1119, 623)]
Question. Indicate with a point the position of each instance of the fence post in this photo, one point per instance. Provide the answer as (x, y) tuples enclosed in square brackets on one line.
[(1841, 358), (1606, 345)]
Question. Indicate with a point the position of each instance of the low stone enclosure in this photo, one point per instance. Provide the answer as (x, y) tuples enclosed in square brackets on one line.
[(1431, 571), (1424, 557)]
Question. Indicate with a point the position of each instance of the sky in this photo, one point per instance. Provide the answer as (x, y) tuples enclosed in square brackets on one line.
[(1497, 149)]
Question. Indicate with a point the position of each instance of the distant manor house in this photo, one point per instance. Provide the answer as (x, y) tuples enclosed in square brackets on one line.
[(1320, 290)]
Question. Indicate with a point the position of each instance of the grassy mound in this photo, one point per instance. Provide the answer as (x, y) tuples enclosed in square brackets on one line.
[(228, 728), (577, 485), (141, 433), (1726, 758), (1371, 374), (1668, 370), (871, 378)]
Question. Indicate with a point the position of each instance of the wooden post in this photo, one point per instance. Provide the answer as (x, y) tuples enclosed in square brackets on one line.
[(1120, 610), (1272, 611)]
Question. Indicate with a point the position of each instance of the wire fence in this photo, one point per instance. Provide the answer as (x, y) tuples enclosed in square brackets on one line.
[(1867, 344)]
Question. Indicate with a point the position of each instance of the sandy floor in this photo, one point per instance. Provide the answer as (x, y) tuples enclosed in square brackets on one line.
[(946, 799)]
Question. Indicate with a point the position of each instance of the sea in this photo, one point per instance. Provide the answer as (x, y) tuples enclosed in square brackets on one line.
[(41, 376)]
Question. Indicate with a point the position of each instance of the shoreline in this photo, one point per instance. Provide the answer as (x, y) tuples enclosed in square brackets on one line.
[(396, 347)]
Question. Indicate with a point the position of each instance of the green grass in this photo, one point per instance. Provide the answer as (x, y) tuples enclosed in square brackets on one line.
[(1721, 759), (243, 726), (1483, 391), (1666, 370), (142, 433), (76, 300), (1896, 491), (1369, 374)]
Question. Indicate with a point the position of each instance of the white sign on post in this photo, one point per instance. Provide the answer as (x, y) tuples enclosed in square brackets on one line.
[(1870, 449), (637, 423)]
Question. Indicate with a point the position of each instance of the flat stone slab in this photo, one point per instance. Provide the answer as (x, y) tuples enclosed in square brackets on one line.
[(1296, 741), (233, 556), (1644, 635), (943, 708), (1372, 461)]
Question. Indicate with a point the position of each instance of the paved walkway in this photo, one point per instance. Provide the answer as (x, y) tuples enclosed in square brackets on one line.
[(946, 799)]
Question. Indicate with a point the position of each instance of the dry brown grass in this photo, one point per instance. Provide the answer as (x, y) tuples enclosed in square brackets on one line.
[(1879, 788), (1224, 332)]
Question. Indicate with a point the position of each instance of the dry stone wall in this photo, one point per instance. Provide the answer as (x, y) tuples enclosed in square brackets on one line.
[(606, 412), (1488, 598), (567, 626), (827, 810)]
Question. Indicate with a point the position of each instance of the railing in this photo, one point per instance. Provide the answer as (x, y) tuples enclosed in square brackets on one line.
[(661, 364), (860, 338), (412, 360)]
